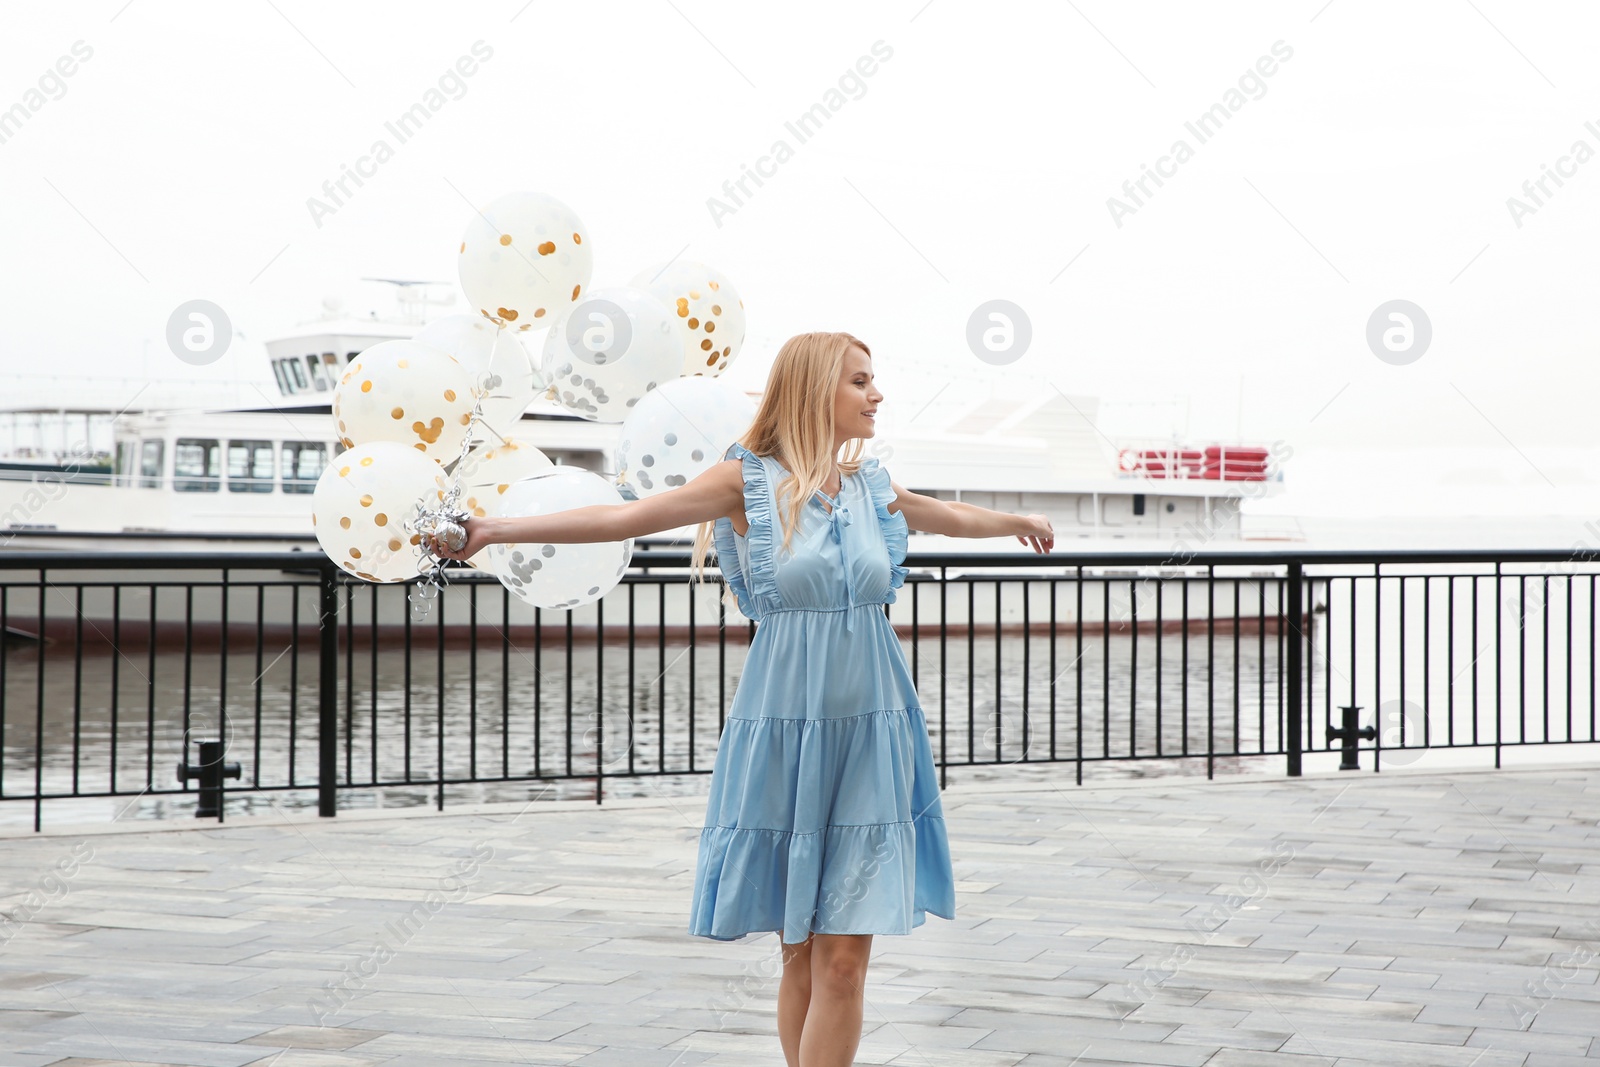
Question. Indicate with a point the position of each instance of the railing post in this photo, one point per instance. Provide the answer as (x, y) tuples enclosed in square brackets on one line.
[(1296, 667), (328, 696)]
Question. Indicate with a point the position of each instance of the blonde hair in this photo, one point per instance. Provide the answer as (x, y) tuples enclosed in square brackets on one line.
[(796, 419)]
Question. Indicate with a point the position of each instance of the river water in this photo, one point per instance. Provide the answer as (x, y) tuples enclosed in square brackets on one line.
[(1130, 702), (397, 722)]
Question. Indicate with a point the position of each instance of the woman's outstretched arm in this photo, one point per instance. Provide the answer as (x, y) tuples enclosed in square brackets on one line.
[(956, 518), (713, 493)]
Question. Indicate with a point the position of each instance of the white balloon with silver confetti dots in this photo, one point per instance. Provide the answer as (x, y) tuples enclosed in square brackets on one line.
[(560, 576), (679, 429), (612, 348)]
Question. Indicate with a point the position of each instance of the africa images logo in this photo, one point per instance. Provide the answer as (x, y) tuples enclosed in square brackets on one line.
[(806, 126), (52, 85), (1204, 127), (451, 85)]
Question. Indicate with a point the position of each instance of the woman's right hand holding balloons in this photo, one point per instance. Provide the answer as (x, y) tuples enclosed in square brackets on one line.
[(480, 530)]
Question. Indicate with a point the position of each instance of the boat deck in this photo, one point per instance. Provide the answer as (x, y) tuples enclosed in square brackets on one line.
[(1401, 918)]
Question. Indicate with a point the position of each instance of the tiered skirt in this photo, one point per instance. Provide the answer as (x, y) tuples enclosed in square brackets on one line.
[(824, 812)]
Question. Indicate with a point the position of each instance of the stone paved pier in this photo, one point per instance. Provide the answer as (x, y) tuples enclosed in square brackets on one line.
[(1445, 919)]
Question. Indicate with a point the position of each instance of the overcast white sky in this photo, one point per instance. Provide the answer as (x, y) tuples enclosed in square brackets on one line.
[(975, 163)]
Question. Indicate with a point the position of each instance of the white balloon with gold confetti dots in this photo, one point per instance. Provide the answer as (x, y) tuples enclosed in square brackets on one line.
[(361, 503), (678, 430), (524, 260), (708, 311), (407, 392), (567, 575), (613, 347), (488, 471), (497, 361), (492, 468)]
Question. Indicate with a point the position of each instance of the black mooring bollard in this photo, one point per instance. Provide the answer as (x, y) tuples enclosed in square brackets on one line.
[(1347, 735), (211, 771)]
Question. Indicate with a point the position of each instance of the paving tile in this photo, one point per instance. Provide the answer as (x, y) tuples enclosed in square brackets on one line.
[(1322, 922)]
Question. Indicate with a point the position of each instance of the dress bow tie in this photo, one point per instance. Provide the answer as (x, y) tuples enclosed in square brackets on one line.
[(838, 519)]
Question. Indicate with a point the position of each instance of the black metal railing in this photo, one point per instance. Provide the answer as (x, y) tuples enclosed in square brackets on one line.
[(115, 667)]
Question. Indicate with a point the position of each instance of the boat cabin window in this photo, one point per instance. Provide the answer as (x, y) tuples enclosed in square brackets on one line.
[(150, 462), (314, 365), (292, 366), (330, 364), (303, 463), (250, 467), (197, 465), (283, 379)]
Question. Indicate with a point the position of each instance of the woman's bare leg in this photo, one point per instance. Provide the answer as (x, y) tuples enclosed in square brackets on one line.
[(838, 983), (794, 997)]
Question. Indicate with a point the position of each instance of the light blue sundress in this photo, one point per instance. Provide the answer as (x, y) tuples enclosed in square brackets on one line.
[(824, 813)]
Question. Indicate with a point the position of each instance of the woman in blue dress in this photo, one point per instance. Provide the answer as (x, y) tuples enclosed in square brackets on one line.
[(823, 822)]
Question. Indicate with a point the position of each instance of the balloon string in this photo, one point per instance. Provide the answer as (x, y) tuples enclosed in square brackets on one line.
[(445, 521)]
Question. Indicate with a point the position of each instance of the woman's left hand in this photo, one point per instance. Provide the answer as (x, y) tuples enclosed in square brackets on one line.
[(1041, 537)]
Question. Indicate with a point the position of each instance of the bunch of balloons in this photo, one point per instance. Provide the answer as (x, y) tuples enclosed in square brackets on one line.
[(431, 425)]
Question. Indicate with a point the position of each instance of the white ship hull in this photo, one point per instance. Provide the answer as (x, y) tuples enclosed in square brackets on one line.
[(1117, 598), (192, 477)]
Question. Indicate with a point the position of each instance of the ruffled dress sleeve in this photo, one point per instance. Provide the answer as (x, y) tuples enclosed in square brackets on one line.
[(895, 530), (757, 589)]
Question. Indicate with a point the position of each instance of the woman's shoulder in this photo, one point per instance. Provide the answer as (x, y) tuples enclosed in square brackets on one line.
[(741, 467), (739, 457), (869, 470)]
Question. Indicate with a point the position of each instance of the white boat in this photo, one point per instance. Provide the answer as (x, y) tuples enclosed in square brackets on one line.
[(187, 473), (195, 472)]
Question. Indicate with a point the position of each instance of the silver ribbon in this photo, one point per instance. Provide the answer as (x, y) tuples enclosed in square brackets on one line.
[(446, 522)]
